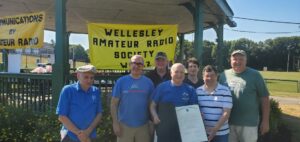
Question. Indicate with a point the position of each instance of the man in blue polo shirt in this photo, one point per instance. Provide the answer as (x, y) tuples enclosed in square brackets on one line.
[(129, 104), (174, 91), (79, 107)]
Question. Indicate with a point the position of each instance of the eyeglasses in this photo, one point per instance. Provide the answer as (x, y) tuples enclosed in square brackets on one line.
[(137, 63)]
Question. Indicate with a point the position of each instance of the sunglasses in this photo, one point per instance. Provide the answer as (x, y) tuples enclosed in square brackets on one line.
[(137, 63)]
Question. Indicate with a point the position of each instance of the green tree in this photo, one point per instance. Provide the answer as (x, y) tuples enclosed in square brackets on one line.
[(186, 50), (78, 53), (272, 53), (277, 50), (209, 53)]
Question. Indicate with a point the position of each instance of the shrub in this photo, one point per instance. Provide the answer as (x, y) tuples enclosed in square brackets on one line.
[(278, 131), (275, 116), (20, 125), (105, 130), (17, 124)]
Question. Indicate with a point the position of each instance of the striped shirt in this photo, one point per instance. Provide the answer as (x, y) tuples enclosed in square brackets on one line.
[(212, 105)]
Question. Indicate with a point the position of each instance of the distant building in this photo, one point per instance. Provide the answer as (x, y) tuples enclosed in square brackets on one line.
[(46, 50)]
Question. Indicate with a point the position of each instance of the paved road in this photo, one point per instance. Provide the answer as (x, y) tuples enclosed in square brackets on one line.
[(287, 100)]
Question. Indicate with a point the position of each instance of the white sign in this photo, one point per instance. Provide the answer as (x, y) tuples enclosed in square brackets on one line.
[(14, 63), (51, 59), (191, 124)]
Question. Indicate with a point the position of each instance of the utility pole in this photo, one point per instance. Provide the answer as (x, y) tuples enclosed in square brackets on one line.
[(289, 48), (288, 61)]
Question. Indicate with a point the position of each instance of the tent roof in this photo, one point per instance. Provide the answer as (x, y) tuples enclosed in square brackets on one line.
[(80, 12)]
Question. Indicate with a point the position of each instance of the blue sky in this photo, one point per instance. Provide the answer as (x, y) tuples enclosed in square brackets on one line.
[(276, 10)]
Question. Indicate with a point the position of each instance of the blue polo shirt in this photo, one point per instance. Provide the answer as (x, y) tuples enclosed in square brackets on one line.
[(181, 95), (134, 98), (80, 106)]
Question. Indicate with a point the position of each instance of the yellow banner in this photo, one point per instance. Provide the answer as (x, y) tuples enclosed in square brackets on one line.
[(22, 31), (112, 45)]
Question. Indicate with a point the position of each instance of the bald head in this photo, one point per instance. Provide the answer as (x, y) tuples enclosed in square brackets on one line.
[(177, 73), (177, 66), (137, 58)]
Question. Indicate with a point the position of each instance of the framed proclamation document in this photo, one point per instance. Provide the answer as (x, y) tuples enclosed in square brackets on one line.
[(190, 124)]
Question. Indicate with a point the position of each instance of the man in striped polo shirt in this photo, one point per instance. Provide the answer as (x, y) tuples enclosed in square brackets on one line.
[(215, 103)]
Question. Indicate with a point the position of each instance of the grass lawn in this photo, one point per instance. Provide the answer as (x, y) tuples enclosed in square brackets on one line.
[(281, 75), (282, 88), (284, 94)]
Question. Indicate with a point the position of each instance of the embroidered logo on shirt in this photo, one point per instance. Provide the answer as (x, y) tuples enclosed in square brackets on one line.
[(185, 96)]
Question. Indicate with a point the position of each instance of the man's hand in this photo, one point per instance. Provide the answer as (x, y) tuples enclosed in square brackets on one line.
[(212, 133), (87, 132), (83, 137), (156, 120), (117, 129), (264, 127)]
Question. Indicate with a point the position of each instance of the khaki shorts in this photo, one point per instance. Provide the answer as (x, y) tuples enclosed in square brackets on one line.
[(139, 134), (243, 133)]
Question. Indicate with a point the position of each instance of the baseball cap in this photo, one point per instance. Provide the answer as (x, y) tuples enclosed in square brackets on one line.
[(87, 68), (242, 52), (162, 55)]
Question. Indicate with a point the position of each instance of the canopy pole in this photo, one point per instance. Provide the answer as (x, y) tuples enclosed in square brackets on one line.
[(199, 20), (220, 56), (181, 42), (67, 55), (59, 69)]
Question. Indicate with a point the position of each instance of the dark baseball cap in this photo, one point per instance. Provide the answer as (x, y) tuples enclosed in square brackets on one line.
[(161, 55)]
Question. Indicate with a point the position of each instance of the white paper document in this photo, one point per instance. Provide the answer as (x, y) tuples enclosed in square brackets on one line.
[(191, 124)]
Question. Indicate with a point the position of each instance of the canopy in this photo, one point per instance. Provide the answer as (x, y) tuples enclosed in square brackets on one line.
[(79, 12)]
